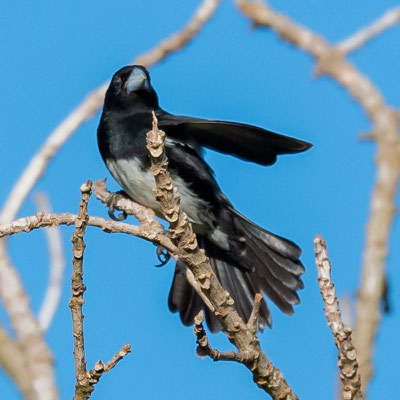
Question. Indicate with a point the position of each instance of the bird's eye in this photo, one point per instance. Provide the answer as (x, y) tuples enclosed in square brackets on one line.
[(118, 81)]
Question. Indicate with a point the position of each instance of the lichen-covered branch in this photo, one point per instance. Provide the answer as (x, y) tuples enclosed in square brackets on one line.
[(347, 356), (266, 376), (85, 380), (385, 128)]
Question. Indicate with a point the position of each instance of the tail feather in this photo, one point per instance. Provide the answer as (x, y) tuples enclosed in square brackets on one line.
[(182, 296), (279, 244), (271, 266), (268, 259), (279, 293), (237, 282)]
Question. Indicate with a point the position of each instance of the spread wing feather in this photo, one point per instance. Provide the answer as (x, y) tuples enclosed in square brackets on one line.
[(247, 142)]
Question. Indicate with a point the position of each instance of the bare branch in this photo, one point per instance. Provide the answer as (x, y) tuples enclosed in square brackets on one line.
[(204, 348), (82, 388), (41, 220), (38, 358), (266, 376), (252, 323), (121, 202), (57, 266), (85, 380), (351, 381), (100, 368), (385, 128), (387, 20), (90, 105), (181, 39), (13, 361)]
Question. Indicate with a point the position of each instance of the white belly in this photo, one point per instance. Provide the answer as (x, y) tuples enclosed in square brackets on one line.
[(139, 184)]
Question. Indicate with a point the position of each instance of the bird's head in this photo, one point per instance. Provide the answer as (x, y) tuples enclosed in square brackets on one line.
[(131, 87)]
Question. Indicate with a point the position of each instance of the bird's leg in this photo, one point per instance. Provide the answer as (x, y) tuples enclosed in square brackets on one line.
[(110, 203), (163, 256)]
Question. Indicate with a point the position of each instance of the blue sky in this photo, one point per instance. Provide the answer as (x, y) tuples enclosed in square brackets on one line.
[(54, 53)]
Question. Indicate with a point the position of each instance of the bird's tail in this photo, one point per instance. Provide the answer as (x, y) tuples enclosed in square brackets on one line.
[(269, 264)]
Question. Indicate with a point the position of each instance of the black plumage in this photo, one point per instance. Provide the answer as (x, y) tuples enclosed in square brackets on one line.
[(246, 258)]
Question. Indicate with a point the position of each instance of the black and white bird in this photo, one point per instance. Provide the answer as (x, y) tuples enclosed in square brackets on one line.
[(246, 258)]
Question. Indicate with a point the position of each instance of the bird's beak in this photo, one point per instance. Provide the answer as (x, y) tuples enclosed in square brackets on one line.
[(136, 81)]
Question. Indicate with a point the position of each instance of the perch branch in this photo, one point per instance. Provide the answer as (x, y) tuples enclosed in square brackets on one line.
[(148, 223), (331, 61), (351, 381), (41, 220), (122, 202), (57, 266), (266, 376)]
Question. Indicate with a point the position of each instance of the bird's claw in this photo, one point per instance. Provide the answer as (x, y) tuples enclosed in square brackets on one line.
[(163, 256), (110, 203)]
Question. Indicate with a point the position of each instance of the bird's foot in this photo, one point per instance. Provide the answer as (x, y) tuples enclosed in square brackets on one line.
[(111, 204), (163, 256)]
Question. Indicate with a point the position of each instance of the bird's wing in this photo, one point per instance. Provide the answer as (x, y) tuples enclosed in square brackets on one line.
[(247, 142)]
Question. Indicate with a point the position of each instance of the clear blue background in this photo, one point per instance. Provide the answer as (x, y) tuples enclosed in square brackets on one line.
[(54, 53)]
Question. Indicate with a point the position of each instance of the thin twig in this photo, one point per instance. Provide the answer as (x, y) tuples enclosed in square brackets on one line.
[(351, 381), (387, 20), (252, 323), (100, 368), (331, 61), (57, 267), (266, 376), (204, 348)]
